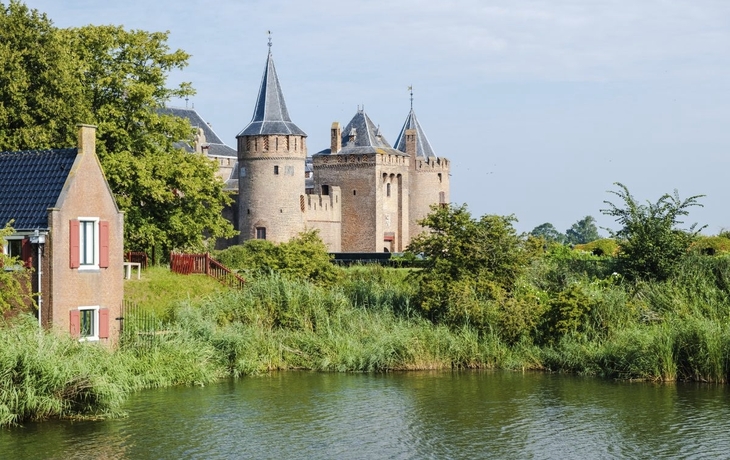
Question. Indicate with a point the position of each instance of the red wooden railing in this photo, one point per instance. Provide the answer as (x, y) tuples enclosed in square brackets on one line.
[(141, 257), (186, 264)]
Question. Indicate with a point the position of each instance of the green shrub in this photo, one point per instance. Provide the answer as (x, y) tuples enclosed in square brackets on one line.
[(602, 247)]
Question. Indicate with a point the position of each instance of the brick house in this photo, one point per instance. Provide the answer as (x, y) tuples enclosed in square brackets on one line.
[(69, 231)]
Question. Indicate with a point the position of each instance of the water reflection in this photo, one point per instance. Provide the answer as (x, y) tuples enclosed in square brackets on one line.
[(423, 415)]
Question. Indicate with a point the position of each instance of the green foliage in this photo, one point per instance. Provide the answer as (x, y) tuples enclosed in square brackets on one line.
[(12, 282), (582, 232), (466, 261), (40, 95), (650, 243), (601, 247), (116, 79), (710, 245), (549, 233), (302, 257), (567, 313)]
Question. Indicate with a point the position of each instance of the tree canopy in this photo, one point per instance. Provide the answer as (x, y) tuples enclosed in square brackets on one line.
[(548, 232), (582, 232), (116, 79), (650, 242), (464, 255)]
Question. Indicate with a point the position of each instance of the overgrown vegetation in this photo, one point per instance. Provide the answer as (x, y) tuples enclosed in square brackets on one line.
[(485, 297), (14, 284)]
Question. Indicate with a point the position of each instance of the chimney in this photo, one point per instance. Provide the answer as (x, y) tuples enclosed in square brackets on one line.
[(411, 143), (87, 138), (336, 139)]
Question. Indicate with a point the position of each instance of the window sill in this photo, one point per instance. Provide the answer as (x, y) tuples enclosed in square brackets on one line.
[(89, 269)]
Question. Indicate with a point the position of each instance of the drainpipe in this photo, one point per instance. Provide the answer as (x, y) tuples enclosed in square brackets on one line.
[(39, 239)]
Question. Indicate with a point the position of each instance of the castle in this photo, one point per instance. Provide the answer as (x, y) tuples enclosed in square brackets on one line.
[(362, 194)]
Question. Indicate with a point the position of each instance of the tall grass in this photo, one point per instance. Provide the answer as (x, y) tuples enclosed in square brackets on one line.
[(674, 330)]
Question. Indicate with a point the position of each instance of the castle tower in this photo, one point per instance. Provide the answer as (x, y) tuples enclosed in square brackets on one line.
[(272, 153), (373, 179), (429, 174)]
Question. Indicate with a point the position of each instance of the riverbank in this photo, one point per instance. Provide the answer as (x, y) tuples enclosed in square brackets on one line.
[(367, 322)]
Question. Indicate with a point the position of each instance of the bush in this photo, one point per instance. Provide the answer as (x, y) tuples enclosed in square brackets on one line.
[(303, 257)]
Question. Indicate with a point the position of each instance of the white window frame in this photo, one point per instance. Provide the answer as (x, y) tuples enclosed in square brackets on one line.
[(6, 250), (84, 243), (94, 337)]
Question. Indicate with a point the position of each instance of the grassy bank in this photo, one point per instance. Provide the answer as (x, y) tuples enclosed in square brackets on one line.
[(562, 318)]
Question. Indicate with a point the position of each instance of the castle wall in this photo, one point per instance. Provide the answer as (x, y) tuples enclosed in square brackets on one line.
[(271, 181), (324, 213), (368, 214), (429, 184)]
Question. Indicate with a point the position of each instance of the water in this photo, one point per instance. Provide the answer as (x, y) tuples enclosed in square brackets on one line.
[(419, 415)]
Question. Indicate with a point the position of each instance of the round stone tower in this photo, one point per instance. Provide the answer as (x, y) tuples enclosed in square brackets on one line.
[(272, 152)]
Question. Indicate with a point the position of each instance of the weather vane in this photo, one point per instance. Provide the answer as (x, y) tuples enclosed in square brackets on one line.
[(269, 32), (410, 88)]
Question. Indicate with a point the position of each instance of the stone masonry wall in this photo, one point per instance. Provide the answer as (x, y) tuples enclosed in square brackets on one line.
[(271, 180)]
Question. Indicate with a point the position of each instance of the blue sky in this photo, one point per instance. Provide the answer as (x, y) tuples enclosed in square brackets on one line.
[(540, 105)]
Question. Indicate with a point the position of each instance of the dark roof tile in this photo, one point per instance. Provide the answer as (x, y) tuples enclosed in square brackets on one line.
[(30, 183), (270, 115)]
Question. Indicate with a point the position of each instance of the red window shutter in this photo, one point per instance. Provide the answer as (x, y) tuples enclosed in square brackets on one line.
[(103, 323), (75, 323), (73, 238), (26, 253), (103, 244)]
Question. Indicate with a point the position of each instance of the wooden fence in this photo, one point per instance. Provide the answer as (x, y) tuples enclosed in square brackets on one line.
[(139, 257), (187, 264)]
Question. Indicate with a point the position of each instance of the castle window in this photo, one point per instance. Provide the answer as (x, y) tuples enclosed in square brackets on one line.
[(442, 199), (439, 177), (354, 192), (276, 170), (266, 143), (325, 190), (260, 233), (277, 143), (387, 189)]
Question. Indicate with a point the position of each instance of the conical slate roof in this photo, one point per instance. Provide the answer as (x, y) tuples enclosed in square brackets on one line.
[(423, 147), (270, 115), (367, 137)]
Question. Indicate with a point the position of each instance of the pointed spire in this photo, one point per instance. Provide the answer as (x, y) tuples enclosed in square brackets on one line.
[(423, 147), (270, 115)]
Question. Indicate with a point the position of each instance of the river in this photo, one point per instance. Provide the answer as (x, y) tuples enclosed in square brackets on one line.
[(414, 415)]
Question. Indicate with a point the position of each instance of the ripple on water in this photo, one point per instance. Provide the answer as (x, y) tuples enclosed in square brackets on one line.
[(429, 415)]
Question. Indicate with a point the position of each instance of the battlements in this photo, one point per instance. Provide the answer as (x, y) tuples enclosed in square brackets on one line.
[(432, 164), (272, 145), (324, 213)]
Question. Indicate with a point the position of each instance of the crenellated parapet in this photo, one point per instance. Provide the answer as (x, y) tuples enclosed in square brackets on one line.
[(432, 165), (324, 213)]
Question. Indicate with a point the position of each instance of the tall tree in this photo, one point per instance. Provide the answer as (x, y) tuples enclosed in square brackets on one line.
[(40, 90), (116, 79), (582, 232), (548, 232), (651, 244)]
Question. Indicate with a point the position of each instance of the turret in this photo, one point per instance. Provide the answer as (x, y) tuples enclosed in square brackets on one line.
[(272, 153)]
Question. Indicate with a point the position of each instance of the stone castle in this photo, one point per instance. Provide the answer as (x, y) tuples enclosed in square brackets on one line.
[(362, 194)]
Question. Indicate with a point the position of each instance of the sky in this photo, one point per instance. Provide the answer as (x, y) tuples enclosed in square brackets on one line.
[(540, 105)]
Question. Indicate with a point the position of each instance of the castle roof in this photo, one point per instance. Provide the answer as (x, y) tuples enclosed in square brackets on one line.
[(423, 147), (270, 115), (214, 144), (31, 182), (366, 136)]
